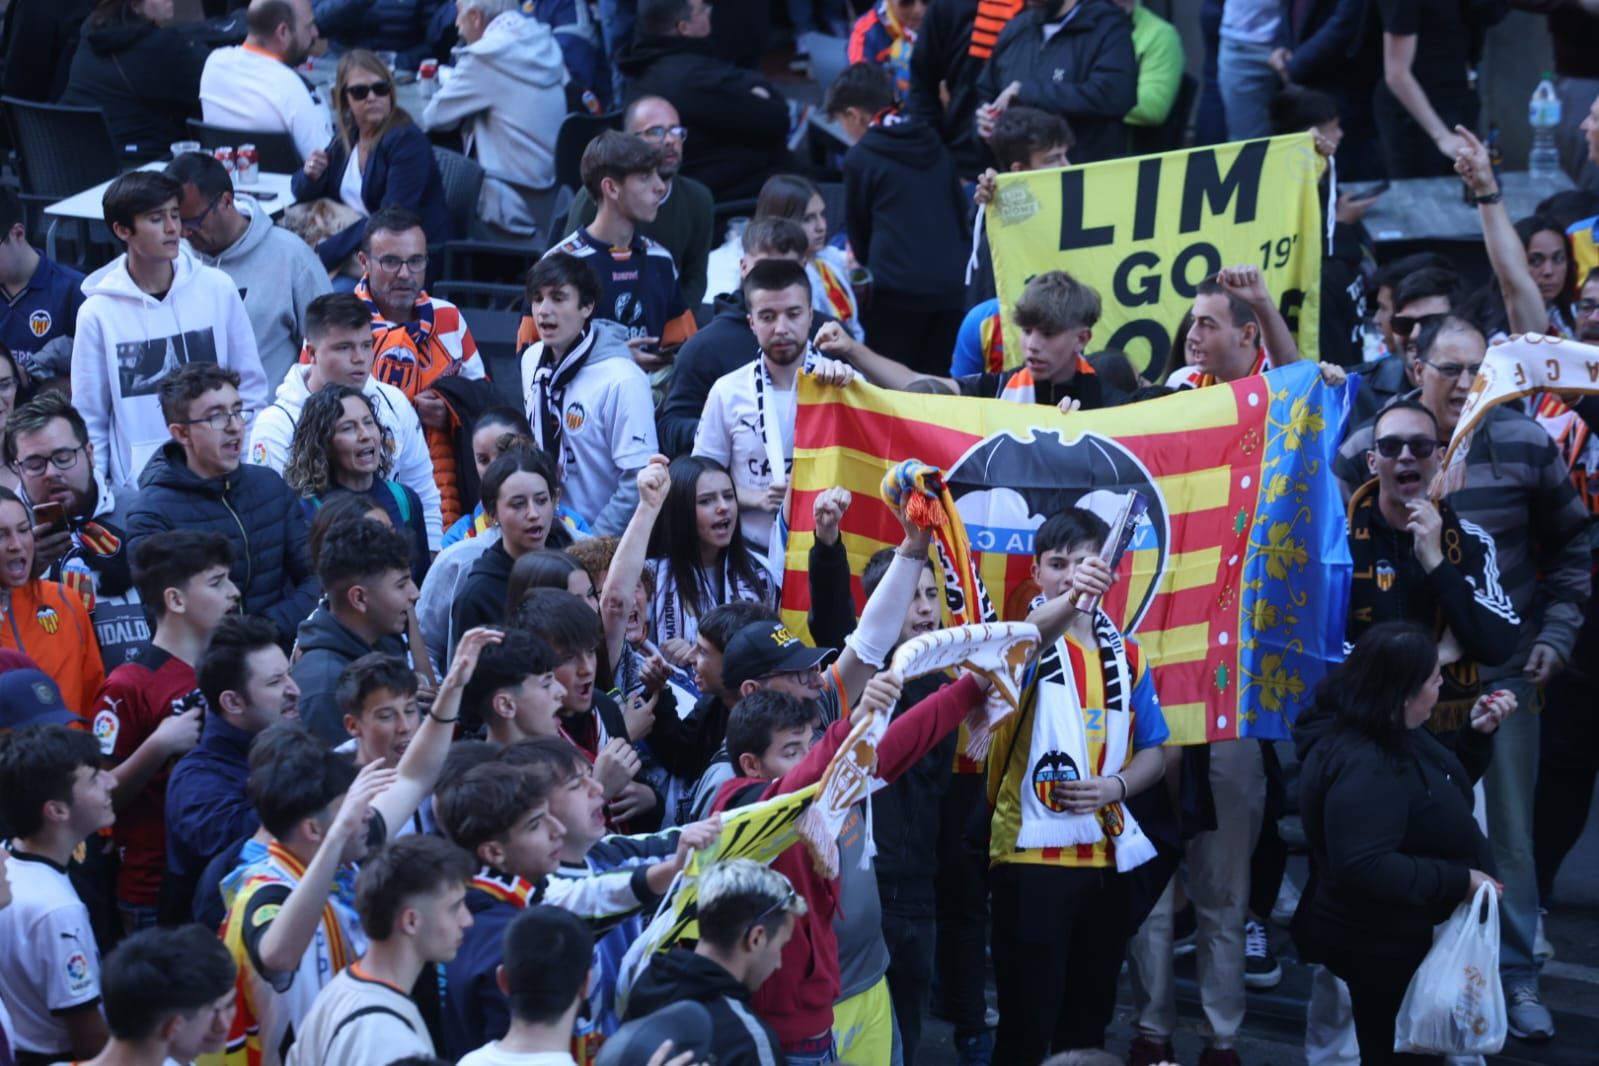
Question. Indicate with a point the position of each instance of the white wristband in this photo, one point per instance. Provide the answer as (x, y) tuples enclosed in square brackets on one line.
[(884, 615)]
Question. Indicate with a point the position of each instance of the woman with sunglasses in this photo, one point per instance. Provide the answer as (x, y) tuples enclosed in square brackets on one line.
[(340, 447), (41, 619), (378, 158)]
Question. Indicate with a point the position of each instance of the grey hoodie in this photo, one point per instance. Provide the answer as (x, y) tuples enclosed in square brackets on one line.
[(507, 91), (278, 275)]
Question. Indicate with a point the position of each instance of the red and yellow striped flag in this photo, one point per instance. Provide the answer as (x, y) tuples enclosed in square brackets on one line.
[(1237, 580)]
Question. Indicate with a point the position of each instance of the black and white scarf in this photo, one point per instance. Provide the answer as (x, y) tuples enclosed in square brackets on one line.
[(671, 619), (547, 395)]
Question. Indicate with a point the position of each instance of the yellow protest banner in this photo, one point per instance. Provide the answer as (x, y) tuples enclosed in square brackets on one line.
[(1145, 231)]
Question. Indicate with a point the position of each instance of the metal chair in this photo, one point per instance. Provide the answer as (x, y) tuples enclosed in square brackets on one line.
[(60, 151), (276, 151)]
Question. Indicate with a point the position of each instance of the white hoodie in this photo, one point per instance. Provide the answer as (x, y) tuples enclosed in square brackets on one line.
[(128, 341), (273, 432), (507, 91)]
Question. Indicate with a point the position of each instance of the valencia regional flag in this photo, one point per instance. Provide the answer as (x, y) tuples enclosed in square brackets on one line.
[(1236, 582)]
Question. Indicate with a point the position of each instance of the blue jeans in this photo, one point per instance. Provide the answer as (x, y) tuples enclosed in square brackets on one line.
[(1509, 785), (1247, 85)]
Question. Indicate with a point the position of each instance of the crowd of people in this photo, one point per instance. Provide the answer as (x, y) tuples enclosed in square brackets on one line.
[(359, 708)]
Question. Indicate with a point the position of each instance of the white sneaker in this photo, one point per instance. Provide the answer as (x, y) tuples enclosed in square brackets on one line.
[(1528, 1018), (1282, 912)]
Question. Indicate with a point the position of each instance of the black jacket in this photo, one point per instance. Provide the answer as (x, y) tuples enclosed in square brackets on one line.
[(1392, 838), (482, 599), (400, 172), (904, 211), (943, 58), (326, 647), (145, 79), (41, 39), (259, 514), (1087, 72), (724, 344), (736, 138), (739, 1036)]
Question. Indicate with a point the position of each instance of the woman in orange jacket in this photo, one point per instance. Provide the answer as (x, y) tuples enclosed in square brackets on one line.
[(42, 619)]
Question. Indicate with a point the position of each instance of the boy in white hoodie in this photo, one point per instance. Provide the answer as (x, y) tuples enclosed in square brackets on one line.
[(338, 343), (148, 312)]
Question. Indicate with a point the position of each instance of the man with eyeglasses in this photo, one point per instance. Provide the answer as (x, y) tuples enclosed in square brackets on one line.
[(505, 92), (150, 310), (47, 446), (196, 481), (422, 346), (1416, 560), (684, 220), (277, 274), (1517, 490)]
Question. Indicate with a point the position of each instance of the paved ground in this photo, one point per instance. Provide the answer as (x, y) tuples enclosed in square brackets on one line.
[(1273, 1032)]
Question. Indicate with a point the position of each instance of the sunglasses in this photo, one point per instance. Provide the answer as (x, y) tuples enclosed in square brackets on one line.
[(361, 92), (783, 904), (1420, 447)]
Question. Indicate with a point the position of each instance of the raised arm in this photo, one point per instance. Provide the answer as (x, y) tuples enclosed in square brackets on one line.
[(1246, 283), (1523, 303), (834, 340), (627, 565), (1398, 53)]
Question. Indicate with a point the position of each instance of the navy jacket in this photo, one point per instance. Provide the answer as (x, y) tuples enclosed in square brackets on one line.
[(259, 514), (207, 810), (327, 646), (407, 27), (145, 79), (400, 172)]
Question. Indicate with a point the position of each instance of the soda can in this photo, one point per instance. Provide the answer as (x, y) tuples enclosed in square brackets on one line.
[(246, 165), (224, 155), (427, 76)]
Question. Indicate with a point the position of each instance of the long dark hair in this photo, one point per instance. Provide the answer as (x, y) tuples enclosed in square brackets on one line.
[(547, 568), (525, 459), (309, 470), (1390, 663), (676, 538)]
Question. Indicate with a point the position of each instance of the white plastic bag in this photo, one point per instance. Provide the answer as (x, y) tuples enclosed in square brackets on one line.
[(1455, 1004)]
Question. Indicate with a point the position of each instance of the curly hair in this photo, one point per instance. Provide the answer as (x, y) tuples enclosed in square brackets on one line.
[(309, 470)]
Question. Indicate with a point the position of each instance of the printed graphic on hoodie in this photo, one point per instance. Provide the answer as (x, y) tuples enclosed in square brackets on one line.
[(142, 365)]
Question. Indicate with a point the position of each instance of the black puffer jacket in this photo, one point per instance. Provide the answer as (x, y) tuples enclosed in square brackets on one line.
[(482, 598), (736, 137), (739, 1037), (1087, 73), (1392, 839), (145, 79), (326, 647), (259, 514)]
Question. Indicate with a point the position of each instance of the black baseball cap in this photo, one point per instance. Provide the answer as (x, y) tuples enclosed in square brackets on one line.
[(686, 1024), (764, 648)]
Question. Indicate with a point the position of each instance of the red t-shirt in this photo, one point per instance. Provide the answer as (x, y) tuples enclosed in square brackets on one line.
[(133, 701)]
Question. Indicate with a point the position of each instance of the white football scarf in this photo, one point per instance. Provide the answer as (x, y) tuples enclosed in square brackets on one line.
[(1059, 753)]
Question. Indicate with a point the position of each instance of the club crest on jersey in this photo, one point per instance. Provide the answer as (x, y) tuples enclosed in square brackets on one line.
[(575, 416), (1054, 768), (1385, 575), (48, 620), (40, 322)]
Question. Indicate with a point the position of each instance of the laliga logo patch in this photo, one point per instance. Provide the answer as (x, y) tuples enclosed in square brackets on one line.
[(77, 969), (40, 322), (106, 727), (1055, 768), (258, 453), (48, 620), (575, 416)]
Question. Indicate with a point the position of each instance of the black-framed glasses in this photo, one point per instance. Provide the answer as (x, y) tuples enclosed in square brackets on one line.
[(220, 420), (191, 224), (781, 906), (1405, 325), (361, 92), (1586, 307), (1420, 447), (61, 459), (810, 675), (660, 133), (392, 263), (1452, 371)]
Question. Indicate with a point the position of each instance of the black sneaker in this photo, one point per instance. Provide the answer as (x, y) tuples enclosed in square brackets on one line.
[(1260, 965)]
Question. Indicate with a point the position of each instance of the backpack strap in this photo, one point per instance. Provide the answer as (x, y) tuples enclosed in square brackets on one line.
[(357, 1016), (401, 500)]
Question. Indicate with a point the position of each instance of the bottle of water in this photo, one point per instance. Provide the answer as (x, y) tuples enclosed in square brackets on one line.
[(1543, 115)]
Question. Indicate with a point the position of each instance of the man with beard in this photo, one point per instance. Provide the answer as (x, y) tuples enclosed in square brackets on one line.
[(47, 444), (255, 87), (683, 223), (748, 424)]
